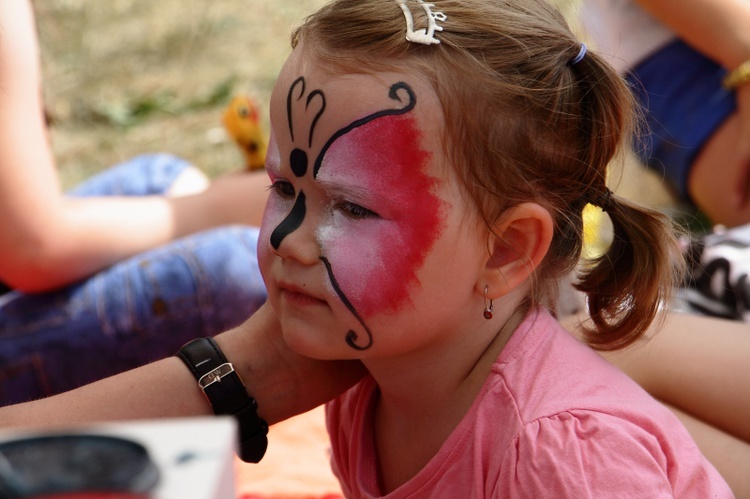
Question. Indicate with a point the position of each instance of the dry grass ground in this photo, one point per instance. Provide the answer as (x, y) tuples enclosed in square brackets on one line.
[(123, 77)]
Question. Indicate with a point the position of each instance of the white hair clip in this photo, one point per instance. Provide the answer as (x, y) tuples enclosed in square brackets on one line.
[(424, 36)]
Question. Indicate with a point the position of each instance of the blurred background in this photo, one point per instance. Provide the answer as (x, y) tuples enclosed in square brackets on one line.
[(124, 77)]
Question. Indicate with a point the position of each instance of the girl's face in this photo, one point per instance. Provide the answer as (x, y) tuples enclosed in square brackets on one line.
[(367, 246)]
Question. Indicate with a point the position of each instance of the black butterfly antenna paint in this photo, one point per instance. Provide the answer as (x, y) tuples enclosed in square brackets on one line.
[(298, 157), (314, 94), (351, 336), (298, 81)]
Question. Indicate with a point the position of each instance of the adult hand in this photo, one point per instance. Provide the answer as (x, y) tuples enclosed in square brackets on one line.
[(283, 382)]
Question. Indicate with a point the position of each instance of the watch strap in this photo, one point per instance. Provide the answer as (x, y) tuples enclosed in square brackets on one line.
[(227, 394)]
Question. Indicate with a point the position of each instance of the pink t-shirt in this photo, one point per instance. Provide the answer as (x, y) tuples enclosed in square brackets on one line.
[(553, 419)]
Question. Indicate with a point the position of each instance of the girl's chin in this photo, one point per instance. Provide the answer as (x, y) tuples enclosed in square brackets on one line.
[(304, 342)]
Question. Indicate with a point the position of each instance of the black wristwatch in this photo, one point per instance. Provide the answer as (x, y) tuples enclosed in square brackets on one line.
[(227, 394)]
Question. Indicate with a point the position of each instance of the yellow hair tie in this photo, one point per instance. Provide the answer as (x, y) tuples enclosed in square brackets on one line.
[(738, 76)]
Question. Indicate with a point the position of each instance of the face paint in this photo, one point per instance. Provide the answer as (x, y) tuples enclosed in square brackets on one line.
[(291, 222), (351, 336), (371, 261), (298, 158), (376, 261)]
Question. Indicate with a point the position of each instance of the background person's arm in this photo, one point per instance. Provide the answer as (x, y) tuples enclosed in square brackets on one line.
[(720, 30), (729, 454), (716, 28), (47, 239), (698, 365)]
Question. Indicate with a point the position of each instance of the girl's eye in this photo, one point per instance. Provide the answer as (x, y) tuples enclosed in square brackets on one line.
[(283, 188), (355, 211)]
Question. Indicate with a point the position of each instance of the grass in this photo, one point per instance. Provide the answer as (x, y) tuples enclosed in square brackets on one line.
[(124, 77)]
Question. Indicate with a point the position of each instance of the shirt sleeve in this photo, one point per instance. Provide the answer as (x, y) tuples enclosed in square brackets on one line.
[(590, 454)]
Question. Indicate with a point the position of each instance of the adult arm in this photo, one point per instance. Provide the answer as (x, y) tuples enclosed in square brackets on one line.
[(729, 455), (720, 30), (283, 383), (47, 239), (717, 28)]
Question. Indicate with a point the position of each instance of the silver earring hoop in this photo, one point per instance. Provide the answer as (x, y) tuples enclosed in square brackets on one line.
[(487, 305)]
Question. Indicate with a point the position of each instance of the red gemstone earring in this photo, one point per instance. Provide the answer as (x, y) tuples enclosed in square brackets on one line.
[(487, 305)]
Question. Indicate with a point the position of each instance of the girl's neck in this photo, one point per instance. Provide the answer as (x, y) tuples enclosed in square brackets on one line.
[(422, 401)]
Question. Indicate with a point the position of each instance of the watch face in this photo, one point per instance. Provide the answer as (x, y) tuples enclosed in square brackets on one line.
[(74, 466)]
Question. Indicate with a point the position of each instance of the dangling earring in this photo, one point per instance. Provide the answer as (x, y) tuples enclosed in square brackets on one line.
[(487, 305)]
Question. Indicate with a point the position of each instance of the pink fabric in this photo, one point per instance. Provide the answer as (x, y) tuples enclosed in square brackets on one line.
[(553, 419)]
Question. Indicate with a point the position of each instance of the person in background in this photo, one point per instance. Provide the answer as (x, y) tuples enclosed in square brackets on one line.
[(123, 269), (689, 64)]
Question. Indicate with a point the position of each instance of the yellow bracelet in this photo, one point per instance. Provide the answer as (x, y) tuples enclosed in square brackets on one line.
[(738, 76)]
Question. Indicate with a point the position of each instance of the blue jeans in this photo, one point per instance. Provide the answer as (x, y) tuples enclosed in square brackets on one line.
[(136, 311)]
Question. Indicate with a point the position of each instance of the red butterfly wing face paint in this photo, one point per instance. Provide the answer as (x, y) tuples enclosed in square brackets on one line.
[(384, 168)]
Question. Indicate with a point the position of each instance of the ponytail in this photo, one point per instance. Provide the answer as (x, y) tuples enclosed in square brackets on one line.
[(628, 285)]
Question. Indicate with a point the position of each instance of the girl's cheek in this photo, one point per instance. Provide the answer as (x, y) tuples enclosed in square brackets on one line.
[(375, 262), (369, 265)]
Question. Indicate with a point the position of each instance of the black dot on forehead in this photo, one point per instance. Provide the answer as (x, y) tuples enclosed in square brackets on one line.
[(298, 162)]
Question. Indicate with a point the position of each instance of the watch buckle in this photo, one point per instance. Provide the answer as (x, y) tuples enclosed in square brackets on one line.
[(215, 375)]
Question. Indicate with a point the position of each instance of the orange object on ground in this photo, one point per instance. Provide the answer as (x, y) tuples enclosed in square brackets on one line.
[(242, 123)]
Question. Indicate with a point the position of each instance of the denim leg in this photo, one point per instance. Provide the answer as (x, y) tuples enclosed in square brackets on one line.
[(144, 175), (138, 310)]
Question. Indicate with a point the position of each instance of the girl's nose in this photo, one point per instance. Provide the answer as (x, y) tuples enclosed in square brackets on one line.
[(294, 238)]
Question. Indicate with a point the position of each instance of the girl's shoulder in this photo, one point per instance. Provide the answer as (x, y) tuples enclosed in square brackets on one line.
[(587, 453), (568, 421)]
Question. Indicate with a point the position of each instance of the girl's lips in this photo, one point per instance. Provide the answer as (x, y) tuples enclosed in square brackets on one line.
[(298, 296)]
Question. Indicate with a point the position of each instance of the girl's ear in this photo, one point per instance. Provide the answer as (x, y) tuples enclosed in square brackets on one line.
[(518, 243)]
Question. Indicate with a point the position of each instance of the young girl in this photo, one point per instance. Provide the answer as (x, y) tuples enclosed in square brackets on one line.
[(429, 166)]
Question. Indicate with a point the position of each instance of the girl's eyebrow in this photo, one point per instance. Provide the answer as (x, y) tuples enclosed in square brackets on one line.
[(357, 191)]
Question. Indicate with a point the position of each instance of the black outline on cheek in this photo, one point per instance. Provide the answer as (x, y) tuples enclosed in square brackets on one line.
[(351, 336), (291, 223)]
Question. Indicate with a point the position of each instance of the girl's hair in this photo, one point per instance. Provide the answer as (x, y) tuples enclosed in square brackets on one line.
[(522, 123)]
